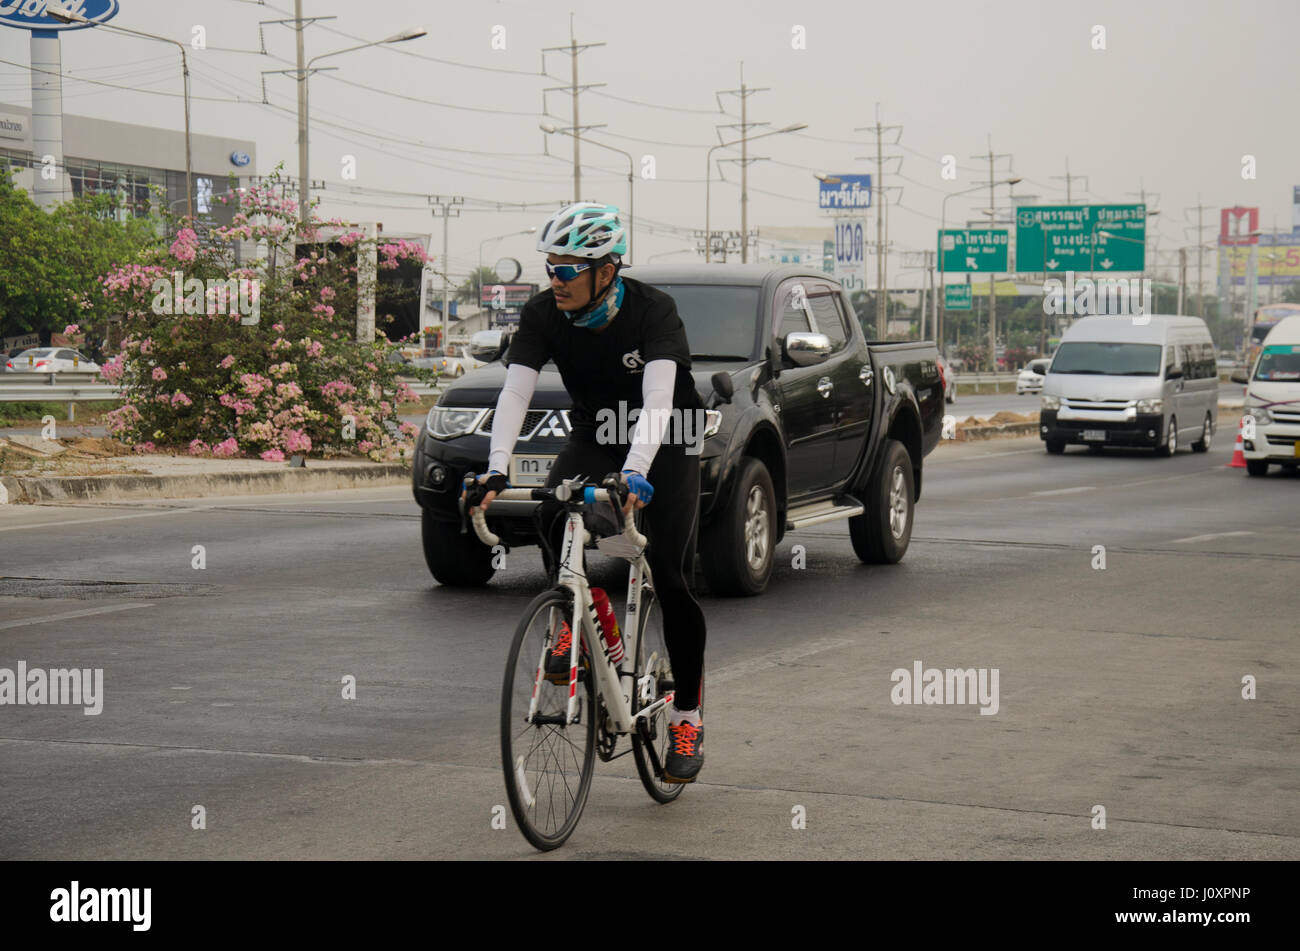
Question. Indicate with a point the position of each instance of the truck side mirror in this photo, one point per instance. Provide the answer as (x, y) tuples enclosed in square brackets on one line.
[(806, 350), (723, 388)]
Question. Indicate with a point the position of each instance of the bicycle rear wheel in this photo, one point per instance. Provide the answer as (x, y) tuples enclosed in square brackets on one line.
[(548, 763), (652, 658)]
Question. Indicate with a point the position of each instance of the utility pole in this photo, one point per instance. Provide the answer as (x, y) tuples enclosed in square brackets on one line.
[(1200, 253), (304, 172), (1142, 197), (445, 207), (743, 93), (878, 189), (573, 49), (993, 300), (1069, 181)]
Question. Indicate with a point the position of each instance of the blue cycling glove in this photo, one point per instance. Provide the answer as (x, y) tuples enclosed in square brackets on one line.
[(638, 485)]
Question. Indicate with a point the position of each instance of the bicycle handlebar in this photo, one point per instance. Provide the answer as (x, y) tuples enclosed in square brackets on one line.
[(561, 493)]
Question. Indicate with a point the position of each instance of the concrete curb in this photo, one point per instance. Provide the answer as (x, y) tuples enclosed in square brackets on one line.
[(971, 433), (126, 487)]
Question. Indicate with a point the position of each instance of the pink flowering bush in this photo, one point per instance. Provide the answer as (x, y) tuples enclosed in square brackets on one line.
[(198, 379)]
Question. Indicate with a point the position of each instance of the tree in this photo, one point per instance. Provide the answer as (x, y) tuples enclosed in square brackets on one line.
[(52, 260), (470, 291), (1292, 294)]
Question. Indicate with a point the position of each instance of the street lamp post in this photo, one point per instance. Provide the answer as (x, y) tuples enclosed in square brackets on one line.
[(67, 16), (631, 166), (303, 75), (708, 181), (943, 217)]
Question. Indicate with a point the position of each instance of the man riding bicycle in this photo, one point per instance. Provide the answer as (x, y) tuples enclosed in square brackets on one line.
[(619, 346)]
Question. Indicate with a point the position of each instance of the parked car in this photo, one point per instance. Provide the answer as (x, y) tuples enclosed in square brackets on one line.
[(1032, 376), (52, 360), (949, 380), (818, 425), (1114, 382), (1273, 400)]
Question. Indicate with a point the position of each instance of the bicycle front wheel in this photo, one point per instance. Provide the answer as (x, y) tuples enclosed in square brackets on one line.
[(652, 658), (548, 762)]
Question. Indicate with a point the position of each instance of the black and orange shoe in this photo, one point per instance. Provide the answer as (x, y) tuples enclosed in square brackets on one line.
[(685, 753), (556, 668)]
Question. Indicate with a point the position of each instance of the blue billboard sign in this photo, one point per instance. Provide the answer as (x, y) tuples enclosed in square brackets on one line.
[(35, 14), (844, 191)]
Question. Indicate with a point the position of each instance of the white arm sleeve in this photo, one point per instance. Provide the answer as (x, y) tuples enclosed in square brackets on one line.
[(657, 406), (509, 416)]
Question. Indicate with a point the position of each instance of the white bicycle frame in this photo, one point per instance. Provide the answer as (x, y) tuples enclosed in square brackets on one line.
[(572, 575)]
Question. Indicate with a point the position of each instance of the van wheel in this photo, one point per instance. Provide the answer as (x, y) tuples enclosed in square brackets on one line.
[(1257, 467), (1055, 447), (1207, 435), (456, 560), (738, 550), (881, 534), (1171, 440)]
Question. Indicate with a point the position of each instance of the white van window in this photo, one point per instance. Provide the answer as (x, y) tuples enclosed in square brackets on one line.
[(1278, 363), (1108, 359)]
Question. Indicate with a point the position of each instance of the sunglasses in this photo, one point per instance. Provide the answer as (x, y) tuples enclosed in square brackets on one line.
[(565, 272)]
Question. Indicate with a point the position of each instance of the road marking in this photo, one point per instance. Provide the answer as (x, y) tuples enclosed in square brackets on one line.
[(1206, 538), (774, 659), (1075, 488), (106, 518), (65, 615)]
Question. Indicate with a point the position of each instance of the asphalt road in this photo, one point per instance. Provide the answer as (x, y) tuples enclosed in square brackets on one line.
[(1118, 687)]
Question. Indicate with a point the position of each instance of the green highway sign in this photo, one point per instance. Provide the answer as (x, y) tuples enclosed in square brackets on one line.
[(956, 297), (973, 249), (1081, 238)]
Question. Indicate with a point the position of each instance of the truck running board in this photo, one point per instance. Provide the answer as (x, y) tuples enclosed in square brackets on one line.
[(829, 510)]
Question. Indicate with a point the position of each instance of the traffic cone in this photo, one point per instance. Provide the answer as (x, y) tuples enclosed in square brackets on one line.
[(1238, 460)]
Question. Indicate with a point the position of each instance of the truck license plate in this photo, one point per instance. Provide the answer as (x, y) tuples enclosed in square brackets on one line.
[(530, 470), (1094, 435)]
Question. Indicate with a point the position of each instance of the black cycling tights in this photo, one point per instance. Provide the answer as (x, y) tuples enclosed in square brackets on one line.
[(671, 521)]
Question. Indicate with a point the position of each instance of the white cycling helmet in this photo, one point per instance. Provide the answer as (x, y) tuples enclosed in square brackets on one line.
[(586, 229)]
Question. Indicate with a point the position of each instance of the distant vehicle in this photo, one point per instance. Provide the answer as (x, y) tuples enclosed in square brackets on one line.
[(1273, 400), (51, 360), (1031, 377), (1114, 382), (949, 381), (1266, 318)]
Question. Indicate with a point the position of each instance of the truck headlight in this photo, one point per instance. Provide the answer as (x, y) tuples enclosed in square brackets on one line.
[(1150, 406), (447, 422), (1260, 415), (1051, 402), (712, 422)]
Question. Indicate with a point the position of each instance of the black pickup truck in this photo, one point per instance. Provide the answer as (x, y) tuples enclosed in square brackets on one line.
[(812, 423)]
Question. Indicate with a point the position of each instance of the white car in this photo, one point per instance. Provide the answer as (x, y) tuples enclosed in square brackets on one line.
[(1032, 376), (1271, 430), (51, 360)]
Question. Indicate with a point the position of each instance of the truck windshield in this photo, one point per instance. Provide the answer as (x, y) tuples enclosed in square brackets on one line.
[(1278, 363), (721, 320), (1108, 359)]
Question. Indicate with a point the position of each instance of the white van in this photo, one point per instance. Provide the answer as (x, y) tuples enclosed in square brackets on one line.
[(1132, 381), (1273, 400)]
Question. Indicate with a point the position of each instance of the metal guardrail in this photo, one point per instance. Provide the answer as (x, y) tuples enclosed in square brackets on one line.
[(992, 379)]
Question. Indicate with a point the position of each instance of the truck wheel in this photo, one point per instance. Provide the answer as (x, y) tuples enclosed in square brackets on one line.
[(1055, 447), (738, 548), (1257, 467), (881, 534), (1171, 440), (456, 560), (1207, 436)]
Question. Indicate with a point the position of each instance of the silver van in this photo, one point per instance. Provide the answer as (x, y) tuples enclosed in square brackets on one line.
[(1132, 381)]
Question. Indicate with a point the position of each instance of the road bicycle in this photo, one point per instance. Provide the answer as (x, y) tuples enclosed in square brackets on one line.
[(552, 732)]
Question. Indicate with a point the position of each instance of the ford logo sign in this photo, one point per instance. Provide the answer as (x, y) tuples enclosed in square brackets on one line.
[(35, 14), (239, 158)]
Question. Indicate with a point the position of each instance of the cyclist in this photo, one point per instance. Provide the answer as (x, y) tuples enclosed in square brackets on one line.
[(619, 345)]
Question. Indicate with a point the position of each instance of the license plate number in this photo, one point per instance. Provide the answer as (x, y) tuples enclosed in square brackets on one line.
[(530, 470), (1094, 435)]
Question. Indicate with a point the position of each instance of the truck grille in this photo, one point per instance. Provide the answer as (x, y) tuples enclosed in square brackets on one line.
[(533, 418)]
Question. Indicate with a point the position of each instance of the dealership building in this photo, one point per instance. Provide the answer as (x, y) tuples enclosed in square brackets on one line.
[(122, 158)]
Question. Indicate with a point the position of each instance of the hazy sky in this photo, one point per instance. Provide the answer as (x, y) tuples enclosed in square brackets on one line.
[(1182, 91)]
